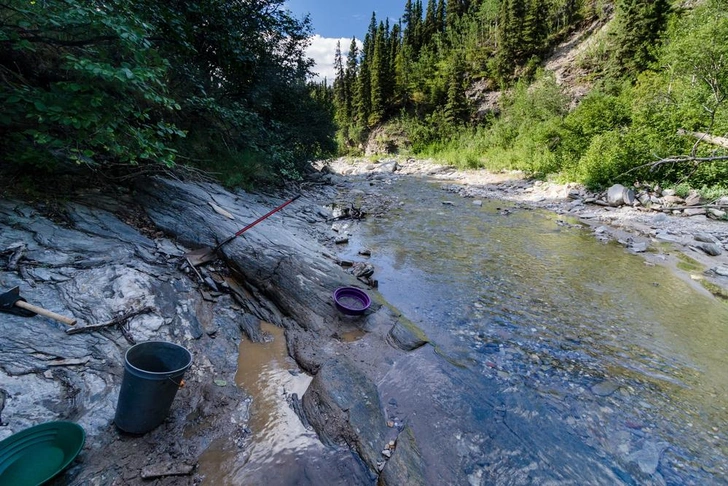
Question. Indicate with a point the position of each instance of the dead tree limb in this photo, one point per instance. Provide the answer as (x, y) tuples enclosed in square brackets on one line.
[(705, 137), (117, 321), (676, 160)]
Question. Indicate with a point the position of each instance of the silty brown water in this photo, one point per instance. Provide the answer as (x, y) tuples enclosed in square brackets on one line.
[(280, 450)]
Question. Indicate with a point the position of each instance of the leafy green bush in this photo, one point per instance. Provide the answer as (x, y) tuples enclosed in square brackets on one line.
[(603, 162)]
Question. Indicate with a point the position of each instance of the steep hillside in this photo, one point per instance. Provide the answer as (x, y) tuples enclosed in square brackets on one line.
[(584, 92)]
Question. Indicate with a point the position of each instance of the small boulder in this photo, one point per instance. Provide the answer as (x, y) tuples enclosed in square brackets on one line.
[(672, 200), (618, 195), (711, 249), (695, 212), (693, 199), (705, 238)]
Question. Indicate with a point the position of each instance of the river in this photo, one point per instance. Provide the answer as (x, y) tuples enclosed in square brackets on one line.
[(631, 355)]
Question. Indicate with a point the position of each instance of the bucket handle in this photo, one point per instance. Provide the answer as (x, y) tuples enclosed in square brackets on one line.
[(181, 383)]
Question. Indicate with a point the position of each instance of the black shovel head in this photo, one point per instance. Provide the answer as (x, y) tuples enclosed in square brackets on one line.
[(8, 300)]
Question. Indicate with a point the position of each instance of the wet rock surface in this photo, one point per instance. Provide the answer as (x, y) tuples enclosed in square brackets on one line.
[(96, 268), (388, 386)]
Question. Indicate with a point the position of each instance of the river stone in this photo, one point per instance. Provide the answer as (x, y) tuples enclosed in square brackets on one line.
[(406, 465), (693, 199), (670, 238), (343, 405), (250, 325), (407, 336), (618, 195), (705, 238), (695, 212), (672, 200), (628, 197), (711, 249), (605, 388), (648, 458), (722, 271)]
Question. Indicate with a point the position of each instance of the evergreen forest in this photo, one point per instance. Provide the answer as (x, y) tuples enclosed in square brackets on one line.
[(123, 87), (592, 91), (475, 83)]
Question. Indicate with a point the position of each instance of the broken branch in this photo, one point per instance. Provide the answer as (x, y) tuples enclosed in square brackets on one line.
[(705, 137), (118, 321)]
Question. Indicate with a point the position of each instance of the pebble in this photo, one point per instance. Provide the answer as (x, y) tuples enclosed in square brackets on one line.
[(605, 388)]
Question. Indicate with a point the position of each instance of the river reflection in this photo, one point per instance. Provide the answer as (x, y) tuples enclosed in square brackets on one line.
[(527, 298)]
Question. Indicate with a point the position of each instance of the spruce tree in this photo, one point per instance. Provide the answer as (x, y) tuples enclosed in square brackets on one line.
[(378, 75), (430, 26), (351, 76), (535, 29), (456, 108), (639, 25), (510, 48), (440, 16), (364, 86), (340, 86)]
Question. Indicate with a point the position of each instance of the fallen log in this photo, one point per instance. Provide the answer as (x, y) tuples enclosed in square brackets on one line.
[(167, 469), (705, 137)]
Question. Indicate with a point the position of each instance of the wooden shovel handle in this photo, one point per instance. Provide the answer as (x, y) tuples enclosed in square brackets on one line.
[(45, 312)]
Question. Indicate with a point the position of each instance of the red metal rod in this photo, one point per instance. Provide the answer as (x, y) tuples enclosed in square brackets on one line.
[(256, 222)]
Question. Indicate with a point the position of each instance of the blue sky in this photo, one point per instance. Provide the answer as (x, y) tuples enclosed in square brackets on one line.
[(340, 20), (345, 18)]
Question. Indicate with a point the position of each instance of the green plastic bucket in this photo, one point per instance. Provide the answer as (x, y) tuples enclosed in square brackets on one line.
[(153, 373)]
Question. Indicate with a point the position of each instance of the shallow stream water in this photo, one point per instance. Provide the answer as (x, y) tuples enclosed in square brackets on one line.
[(630, 357), (637, 354), (279, 450)]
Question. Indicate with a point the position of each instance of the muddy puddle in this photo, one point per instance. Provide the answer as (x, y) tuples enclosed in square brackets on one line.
[(632, 355), (279, 450)]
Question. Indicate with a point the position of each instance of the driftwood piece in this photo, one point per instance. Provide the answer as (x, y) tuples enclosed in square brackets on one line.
[(16, 252), (69, 362), (167, 469), (117, 321), (220, 210), (705, 137)]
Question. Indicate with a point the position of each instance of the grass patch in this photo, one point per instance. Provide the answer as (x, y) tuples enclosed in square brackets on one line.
[(714, 289), (688, 264)]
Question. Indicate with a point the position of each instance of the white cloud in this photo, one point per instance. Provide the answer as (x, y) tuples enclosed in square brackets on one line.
[(323, 51)]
